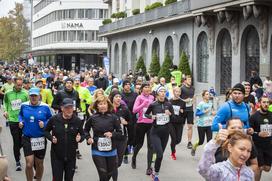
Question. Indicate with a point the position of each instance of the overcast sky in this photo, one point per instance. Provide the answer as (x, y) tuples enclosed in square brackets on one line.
[(6, 5)]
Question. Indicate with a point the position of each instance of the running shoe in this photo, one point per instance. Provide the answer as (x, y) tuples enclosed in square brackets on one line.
[(173, 155), (193, 152), (133, 163), (125, 159), (149, 171), (189, 145), (18, 166), (156, 178)]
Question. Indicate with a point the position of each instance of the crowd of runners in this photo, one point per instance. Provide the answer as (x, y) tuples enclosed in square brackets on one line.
[(115, 115)]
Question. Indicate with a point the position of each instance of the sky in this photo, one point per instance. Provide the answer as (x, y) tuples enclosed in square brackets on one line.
[(6, 5)]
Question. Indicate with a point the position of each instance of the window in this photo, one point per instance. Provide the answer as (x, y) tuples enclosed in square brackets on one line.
[(64, 36), (100, 13), (89, 36), (80, 35), (202, 58), (81, 13), (72, 36), (72, 14), (90, 13)]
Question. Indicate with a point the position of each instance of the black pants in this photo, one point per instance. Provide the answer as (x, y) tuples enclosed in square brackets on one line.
[(131, 131), (141, 130), (59, 166), (16, 133), (159, 137), (176, 130), (202, 131), (105, 166)]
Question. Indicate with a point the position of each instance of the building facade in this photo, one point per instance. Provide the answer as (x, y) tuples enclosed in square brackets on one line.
[(65, 33), (224, 39)]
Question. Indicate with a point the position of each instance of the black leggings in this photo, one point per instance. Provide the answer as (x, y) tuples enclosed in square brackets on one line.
[(59, 166), (159, 137), (176, 130), (141, 130), (105, 166), (131, 131), (201, 134), (16, 133)]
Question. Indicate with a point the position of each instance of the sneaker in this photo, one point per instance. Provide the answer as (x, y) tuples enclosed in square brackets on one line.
[(156, 178), (149, 171), (193, 152), (18, 166), (78, 155), (189, 145), (125, 159), (173, 155), (133, 163)]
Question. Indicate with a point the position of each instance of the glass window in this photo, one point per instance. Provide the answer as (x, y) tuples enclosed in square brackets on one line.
[(100, 13), (72, 14), (80, 35), (64, 34), (58, 36), (81, 13), (72, 36), (202, 58), (89, 36), (90, 13)]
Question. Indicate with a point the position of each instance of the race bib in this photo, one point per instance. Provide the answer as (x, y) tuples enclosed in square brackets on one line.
[(176, 110), (144, 110), (267, 128), (37, 143), (162, 119), (104, 144), (16, 104)]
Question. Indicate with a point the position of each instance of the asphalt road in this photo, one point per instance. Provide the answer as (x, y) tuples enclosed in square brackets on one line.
[(184, 168)]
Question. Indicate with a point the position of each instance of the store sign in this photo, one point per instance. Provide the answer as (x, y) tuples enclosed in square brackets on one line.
[(71, 25)]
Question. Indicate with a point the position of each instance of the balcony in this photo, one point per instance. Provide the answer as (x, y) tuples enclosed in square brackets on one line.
[(174, 9)]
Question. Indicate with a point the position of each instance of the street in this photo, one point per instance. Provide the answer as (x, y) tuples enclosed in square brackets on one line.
[(184, 168)]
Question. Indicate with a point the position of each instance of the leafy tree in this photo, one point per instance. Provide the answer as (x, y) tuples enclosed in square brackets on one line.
[(184, 66), (14, 34), (141, 66), (165, 68), (155, 66)]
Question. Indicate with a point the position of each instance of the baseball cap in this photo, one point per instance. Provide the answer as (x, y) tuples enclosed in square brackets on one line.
[(67, 102), (34, 91)]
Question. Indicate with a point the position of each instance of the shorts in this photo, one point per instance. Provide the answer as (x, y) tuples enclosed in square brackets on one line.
[(189, 117), (264, 156), (40, 154)]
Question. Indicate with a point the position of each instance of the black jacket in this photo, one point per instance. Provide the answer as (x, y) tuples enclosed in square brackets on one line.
[(100, 124), (65, 94), (65, 131), (101, 83)]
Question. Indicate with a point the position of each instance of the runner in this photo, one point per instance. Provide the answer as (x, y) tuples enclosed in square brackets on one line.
[(177, 121), (160, 111), (65, 131), (261, 122), (143, 126), (204, 111), (106, 129), (12, 105), (33, 117)]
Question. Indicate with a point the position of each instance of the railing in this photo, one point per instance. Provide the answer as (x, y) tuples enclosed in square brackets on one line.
[(177, 8)]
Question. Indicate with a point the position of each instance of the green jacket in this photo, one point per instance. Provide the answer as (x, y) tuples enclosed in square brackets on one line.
[(84, 96), (12, 103)]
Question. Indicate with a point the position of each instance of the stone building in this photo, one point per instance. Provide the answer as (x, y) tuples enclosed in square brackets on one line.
[(224, 39)]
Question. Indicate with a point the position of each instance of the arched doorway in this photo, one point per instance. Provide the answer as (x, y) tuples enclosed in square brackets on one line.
[(169, 47), (116, 59), (156, 47), (144, 50), (224, 49), (133, 54), (184, 45), (251, 48), (124, 59), (202, 58)]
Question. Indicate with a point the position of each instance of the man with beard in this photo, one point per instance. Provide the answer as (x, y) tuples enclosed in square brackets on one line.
[(261, 122)]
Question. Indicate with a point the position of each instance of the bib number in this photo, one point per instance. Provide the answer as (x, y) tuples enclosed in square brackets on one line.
[(37, 143), (104, 144), (16, 104), (162, 119), (176, 110), (80, 115), (267, 128)]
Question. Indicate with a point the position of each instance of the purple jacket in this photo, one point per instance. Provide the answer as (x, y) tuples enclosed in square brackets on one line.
[(221, 171)]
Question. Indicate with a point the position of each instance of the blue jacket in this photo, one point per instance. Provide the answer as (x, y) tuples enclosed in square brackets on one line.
[(229, 110), (31, 115)]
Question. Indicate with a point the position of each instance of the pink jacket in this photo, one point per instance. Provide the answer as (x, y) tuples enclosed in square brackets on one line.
[(140, 106)]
